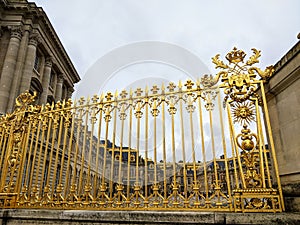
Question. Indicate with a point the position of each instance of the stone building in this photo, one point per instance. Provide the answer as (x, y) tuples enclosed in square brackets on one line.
[(283, 96), (31, 56)]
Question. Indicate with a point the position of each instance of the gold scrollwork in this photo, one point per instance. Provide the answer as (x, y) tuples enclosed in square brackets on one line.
[(239, 77)]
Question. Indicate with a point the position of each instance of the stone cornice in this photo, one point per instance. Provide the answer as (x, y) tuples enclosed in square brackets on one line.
[(286, 72), (287, 57)]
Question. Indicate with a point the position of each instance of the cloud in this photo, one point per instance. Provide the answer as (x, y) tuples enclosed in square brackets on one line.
[(90, 30)]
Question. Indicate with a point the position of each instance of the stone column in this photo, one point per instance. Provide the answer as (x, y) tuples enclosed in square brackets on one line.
[(59, 84), (46, 80), (42, 66), (34, 39), (18, 71), (9, 67)]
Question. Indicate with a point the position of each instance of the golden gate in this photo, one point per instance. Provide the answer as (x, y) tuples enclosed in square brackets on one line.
[(198, 145)]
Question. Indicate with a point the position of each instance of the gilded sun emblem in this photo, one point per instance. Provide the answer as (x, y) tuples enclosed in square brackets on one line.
[(243, 112)]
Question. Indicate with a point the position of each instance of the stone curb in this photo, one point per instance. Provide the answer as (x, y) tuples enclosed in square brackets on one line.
[(64, 217)]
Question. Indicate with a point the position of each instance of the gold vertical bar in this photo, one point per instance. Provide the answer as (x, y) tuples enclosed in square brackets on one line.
[(213, 148), (121, 152), (61, 121), (5, 166), (112, 166), (79, 122), (28, 171), (87, 106), (2, 144), (137, 150), (260, 141), (155, 151), (34, 156), (16, 168), (93, 121), (234, 160), (90, 154), (50, 116), (146, 143), (183, 145), (67, 114), (203, 144), (40, 141), (98, 147), (44, 121), (173, 149), (70, 145), (272, 143), (107, 120), (54, 129), (2, 130), (224, 147), (262, 148), (3, 156), (232, 133), (265, 153), (267, 166), (22, 164), (193, 146), (164, 143), (129, 146)]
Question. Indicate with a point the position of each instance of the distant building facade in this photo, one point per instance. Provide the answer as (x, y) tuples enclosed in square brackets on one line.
[(31, 56)]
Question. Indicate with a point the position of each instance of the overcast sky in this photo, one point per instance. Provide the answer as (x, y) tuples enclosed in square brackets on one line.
[(92, 28)]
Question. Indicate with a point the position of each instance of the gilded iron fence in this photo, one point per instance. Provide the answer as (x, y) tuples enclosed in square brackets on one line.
[(186, 146)]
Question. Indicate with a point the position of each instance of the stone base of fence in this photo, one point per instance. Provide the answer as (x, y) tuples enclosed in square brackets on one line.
[(77, 217)]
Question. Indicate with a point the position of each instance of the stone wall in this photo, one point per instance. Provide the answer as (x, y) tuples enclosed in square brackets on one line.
[(283, 96), (77, 217)]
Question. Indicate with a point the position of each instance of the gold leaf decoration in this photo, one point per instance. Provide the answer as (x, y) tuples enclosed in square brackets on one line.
[(254, 58), (219, 63)]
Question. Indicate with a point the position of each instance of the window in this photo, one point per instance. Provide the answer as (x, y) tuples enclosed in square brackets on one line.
[(36, 63), (52, 78)]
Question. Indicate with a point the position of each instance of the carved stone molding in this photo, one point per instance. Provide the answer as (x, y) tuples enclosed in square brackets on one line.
[(49, 61), (16, 32), (60, 78), (34, 38)]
